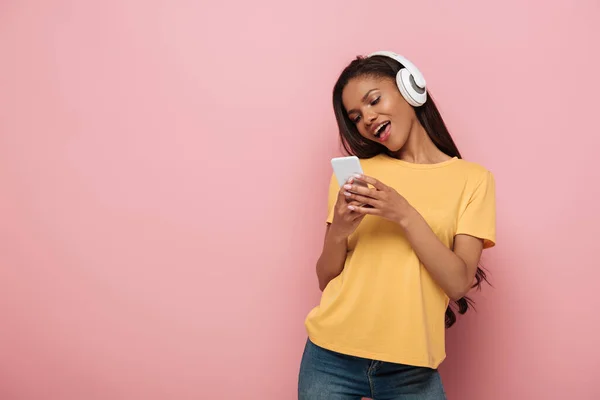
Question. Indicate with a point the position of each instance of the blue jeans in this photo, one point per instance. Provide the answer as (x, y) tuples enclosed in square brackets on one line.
[(328, 375)]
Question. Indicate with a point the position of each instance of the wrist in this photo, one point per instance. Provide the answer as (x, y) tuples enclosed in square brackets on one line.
[(336, 236), (408, 218)]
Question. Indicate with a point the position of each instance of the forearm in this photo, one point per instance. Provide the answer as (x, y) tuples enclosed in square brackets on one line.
[(332, 259), (445, 267)]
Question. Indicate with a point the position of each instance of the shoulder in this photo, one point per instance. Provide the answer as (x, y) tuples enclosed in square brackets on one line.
[(478, 180), (471, 166), (473, 170)]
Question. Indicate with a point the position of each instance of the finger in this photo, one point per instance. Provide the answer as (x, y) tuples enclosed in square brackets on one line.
[(342, 190), (345, 211), (352, 215), (364, 191), (342, 199), (363, 199), (357, 216), (374, 182), (365, 210)]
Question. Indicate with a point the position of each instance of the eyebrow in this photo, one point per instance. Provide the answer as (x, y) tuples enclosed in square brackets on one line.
[(363, 99)]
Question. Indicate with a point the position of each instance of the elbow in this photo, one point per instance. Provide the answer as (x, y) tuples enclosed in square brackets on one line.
[(323, 277), (323, 282), (456, 295), (459, 290)]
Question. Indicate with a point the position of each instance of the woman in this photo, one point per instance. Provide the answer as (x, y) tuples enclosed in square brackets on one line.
[(390, 268)]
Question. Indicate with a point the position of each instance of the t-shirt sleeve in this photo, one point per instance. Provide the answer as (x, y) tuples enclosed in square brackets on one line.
[(332, 198), (478, 218)]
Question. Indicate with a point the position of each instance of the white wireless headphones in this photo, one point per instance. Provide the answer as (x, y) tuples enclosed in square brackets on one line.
[(409, 79)]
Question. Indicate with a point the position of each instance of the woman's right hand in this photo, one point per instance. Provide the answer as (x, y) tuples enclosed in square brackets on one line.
[(345, 221)]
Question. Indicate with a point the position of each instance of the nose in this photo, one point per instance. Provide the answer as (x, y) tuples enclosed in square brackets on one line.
[(370, 116)]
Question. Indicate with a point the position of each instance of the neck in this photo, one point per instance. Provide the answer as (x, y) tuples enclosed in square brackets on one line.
[(419, 148)]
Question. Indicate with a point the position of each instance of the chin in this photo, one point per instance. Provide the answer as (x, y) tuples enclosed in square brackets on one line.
[(393, 146)]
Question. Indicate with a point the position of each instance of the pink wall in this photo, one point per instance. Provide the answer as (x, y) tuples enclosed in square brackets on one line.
[(164, 168)]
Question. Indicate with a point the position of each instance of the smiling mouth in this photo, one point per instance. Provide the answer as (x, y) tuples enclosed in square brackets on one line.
[(381, 128)]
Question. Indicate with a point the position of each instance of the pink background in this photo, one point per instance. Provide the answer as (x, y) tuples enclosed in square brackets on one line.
[(164, 168)]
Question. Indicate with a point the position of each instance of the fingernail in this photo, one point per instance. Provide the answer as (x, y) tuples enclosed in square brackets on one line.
[(358, 176), (351, 208), (347, 194), (348, 187)]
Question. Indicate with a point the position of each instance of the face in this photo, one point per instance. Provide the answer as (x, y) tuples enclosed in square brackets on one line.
[(379, 111)]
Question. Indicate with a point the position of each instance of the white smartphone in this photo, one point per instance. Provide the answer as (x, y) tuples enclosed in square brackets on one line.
[(345, 168)]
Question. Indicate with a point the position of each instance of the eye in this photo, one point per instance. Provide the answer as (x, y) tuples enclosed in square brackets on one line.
[(376, 100), (356, 119)]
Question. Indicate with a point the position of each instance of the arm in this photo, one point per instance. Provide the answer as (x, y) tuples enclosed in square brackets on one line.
[(453, 269), (332, 259)]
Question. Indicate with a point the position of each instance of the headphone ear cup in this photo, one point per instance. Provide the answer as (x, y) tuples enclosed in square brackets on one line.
[(408, 90)]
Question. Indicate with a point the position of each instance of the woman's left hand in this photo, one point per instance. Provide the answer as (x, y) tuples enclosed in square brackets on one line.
[(380, 200)]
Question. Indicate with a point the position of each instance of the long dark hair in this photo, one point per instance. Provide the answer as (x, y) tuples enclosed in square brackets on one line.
[(428, 115)]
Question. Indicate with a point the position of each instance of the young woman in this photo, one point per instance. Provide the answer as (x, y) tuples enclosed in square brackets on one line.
[(390, 268)]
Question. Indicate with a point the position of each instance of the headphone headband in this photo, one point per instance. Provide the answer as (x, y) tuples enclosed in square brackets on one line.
[(409, 79), (414, 71)]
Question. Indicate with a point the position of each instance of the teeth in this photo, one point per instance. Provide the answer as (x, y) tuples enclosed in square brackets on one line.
[(380, 128)]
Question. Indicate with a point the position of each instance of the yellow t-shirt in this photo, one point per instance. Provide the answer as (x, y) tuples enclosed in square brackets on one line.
[(385, 305)]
